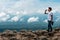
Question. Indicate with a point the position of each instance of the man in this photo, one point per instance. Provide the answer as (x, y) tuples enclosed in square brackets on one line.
[(50, 18)]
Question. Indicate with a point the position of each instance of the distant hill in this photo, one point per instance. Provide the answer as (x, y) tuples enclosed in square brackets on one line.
[(25, 24)]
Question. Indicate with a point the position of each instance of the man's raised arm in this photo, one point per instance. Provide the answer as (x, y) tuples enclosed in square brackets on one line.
[(45, 12)]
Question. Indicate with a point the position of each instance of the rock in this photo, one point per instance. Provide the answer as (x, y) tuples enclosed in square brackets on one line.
[(14, 31), (55, 38), (18, 36), (8, 33), (57, 34), (50, 34), (23, 31), (43, 38), (34, 38), (37, 33), (13, 38), (1, 38), (44, 33), (5, 38), (30, 35), (24, 38), (57, 30), (29, 30)]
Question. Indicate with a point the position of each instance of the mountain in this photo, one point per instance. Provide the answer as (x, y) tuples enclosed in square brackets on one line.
[(33, 25)]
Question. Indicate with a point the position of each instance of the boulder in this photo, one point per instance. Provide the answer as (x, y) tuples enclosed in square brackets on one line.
[(55, 38), (50, 34), (13, 38), (1, 38), (43, 38)]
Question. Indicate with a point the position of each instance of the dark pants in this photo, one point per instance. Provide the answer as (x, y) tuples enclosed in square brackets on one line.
[(49, 26)]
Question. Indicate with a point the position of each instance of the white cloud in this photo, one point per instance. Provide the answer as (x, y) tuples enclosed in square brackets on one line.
[(4, 17), (10, 11), (29, 5), (45, 21), (26, 6), (2, 14), (14, 19), (58, 10), (33, 19), (17, 12), (41, 11), (55, 10)]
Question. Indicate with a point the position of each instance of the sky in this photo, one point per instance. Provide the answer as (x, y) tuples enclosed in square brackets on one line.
[(18, 8)]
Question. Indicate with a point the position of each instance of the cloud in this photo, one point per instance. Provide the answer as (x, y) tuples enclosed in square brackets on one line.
[(27, 5), (45, 21), (40, 11), (14, 19), (4, 17), (2, 14), (33, 19)]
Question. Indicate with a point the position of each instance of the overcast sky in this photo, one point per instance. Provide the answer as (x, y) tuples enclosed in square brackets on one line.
[(28, 5), (23, 7)]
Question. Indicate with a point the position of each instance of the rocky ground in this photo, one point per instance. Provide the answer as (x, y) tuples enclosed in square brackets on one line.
[(30, 35)]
